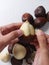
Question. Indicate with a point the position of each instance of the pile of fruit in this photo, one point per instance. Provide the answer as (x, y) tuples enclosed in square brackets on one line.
[(24, 49)]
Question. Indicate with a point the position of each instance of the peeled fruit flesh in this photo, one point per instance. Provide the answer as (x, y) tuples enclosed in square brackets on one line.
[(27, 29), (19, 51), (5, 56)]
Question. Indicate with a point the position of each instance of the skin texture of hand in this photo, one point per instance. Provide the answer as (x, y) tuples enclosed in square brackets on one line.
[(9, 34), (42, 53)]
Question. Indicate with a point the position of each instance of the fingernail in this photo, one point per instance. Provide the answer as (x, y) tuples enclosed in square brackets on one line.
[(20, 32), (39, 32)]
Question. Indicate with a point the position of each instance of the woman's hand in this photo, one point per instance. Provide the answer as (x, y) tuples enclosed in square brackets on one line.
[(42, 54), (9, 34)]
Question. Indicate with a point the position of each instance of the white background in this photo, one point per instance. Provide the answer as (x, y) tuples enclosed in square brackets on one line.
[(12, 10)]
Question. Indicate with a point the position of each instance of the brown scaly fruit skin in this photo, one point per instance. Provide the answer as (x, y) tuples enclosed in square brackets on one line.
[(35, 42), (26, 39), (30, 49), (10, 47), (40, 11), (15, 61), (48, 16), (29, 17), (39, 22)]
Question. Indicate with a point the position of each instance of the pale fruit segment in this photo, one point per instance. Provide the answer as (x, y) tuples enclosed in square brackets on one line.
[(27, 28), (4, 55), (19, 51)]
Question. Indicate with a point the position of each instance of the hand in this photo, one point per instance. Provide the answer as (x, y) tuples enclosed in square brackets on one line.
[(9, 34), (42, 53)]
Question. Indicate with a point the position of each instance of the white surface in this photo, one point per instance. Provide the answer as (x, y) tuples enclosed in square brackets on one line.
[(12, 10)]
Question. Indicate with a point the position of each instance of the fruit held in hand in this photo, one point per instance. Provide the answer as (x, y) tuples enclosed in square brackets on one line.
[(39, 22), (28, 17), (28, 31), (19, 51), (40, 11)]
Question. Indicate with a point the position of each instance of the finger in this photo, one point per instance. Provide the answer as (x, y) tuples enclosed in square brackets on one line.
[(12, 35), (11, 27), (14, 41), (41, 39), (47, 36), (3, 45), (37, 57)]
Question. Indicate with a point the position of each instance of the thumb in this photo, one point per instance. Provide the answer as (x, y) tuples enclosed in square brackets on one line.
[(41, 39)]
